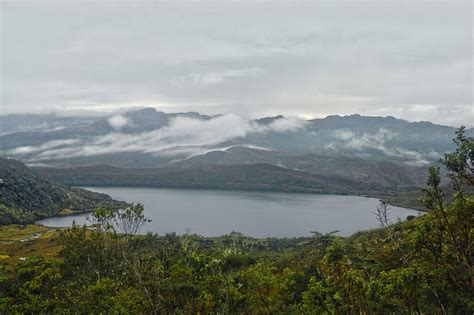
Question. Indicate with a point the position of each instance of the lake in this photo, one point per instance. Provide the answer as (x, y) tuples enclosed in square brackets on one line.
[(257, 214)]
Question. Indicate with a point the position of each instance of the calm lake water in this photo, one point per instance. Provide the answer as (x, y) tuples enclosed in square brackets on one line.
[(257, 214)]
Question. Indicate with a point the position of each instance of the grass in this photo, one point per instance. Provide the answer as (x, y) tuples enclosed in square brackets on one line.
[(16, 232), (19, 242)]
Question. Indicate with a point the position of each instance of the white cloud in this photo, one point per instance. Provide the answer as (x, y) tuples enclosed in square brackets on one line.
[(378, 141), (182, 136), (287, 124), (217, 77), (118, 121), (23, 150)]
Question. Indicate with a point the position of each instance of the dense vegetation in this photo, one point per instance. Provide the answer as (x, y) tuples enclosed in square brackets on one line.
[(249, 177), (26, 196), (421, 266)]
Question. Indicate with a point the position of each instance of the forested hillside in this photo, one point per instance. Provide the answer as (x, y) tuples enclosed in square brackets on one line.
[(248, 177), (366, 171), (252, 177), (26, 196)]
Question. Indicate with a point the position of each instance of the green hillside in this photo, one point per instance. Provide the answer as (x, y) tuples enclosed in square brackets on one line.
[(26, 196), (260, 176), (250, 177), (383, 173)]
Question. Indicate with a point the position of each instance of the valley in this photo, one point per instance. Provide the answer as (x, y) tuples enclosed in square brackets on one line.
[(236, 157), (152, 212)]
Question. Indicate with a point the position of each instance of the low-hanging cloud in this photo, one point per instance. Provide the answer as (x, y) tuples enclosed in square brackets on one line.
[(50, 145), (118, 121), (183, 136), (378, 141), (286, 124)]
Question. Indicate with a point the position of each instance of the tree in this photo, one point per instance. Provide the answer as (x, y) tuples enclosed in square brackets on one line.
[(382, 214), (445, 234)]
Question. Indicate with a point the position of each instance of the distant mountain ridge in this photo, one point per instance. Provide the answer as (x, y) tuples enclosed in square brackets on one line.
[(383, 173), (149, 138)]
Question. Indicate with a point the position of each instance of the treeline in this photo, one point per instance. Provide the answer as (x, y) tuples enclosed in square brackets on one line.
[(249, 177), (421, 266), (259, 176)]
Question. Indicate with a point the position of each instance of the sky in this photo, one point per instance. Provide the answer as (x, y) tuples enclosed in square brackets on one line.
[(412, 60)]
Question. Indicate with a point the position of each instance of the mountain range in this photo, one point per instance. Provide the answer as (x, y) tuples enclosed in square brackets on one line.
[(372, 156), (150, 138)]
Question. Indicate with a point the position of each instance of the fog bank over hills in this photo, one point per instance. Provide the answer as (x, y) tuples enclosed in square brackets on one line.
[(150, 138)]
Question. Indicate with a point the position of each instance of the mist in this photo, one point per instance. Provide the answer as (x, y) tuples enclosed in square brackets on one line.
[(183, 136)]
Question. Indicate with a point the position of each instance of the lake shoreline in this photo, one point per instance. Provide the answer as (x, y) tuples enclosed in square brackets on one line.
[(254, 213), (388, 198)]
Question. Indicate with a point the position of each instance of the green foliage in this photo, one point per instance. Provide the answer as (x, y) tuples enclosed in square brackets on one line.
[(27, 196), (421, 266), (35, 286)]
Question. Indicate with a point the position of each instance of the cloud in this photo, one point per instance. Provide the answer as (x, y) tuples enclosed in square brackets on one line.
[(378, 141), (182, 137), (217, 77), (287, 124), (254, 58), (118, 121), (364, 140), (55, 144)]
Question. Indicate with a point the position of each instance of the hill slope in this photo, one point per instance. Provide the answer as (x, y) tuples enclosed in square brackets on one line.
[(26, 196), (383, 173), (262, 177)]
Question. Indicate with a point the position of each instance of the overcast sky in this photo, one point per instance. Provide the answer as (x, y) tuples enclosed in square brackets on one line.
[(406, 59)]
